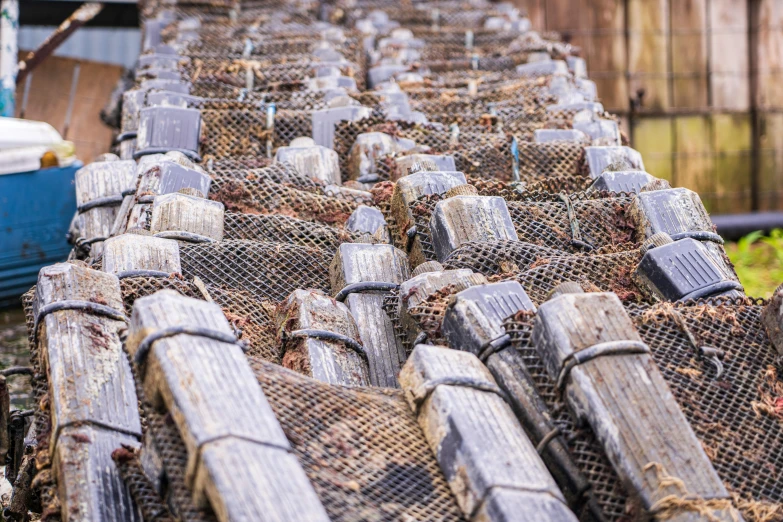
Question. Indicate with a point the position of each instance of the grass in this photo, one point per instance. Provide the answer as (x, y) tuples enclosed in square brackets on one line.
[(758, 260)]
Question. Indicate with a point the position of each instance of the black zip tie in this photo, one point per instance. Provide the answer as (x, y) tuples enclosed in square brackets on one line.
[(125, 136), (573, 221), (142, 273), (181, 235), (17, 370), (609, 348), (713, 355), (462, 382), (81, 242), (365, 286), (76, 304), (146, 344), (326, 335), (714, 288), (108, 201), (495, 345), (698, 235), (195, 156), (544, 442)]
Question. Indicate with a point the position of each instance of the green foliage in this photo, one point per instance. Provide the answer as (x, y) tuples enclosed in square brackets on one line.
[(758, 260)]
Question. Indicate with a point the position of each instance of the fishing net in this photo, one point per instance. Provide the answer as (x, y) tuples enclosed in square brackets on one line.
[(267, 271), (284, 229), (362, 449), (262, 196), (736, 415), (253, 318)]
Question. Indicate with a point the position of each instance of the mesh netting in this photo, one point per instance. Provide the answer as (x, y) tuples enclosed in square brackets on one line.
[(362, 449), (267, 271), (541, 160), (253, 318), (606, 272), (262, 196), (736, 416), (284, 229)]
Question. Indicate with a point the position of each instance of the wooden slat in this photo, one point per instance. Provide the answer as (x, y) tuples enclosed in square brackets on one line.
[(358, 263), (648, 53), (89, 485), (327, 361), (492, 467), (89, 375), (461, 219), (628, 404), (416, 290), (237, 452), (140, 252), (99, 180), (93, 403), (184, 213), (689, 41), (729, 67)]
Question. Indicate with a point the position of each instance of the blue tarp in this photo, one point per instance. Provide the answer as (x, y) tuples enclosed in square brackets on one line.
[(35, 211)]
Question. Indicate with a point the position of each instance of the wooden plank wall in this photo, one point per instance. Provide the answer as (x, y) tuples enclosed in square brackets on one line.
[(50, 90), (697, 83)]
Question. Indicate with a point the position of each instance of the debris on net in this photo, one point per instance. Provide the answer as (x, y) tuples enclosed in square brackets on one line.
[(479, 149)]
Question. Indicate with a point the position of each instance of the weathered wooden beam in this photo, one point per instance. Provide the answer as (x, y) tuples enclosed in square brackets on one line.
[(473, 322), (360, 276), (159, 174), (320, 339), (370, 148), (461, 219), (187, 217), (428, 279), (238, 455), (772, 319), (368, 220), (135, 252), (311, 160), (406, 191), (93, 401), (413, 163), (491, 466), (620, 158), (81, 16), (100, 190), (590, 346)]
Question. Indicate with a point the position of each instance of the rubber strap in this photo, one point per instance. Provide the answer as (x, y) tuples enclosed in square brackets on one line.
[(609, 348), (146, 344), (366, 286)]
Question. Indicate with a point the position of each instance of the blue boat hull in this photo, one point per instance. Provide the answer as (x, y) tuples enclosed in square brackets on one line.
[(35, 212)]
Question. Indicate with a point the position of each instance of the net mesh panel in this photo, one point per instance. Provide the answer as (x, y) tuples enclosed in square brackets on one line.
[(362, 449), (736, 416), (252, 318), (266, 76), (267, 271), (267, 197), (558, 158), (284, 229), (606, 272), (499, 257)]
